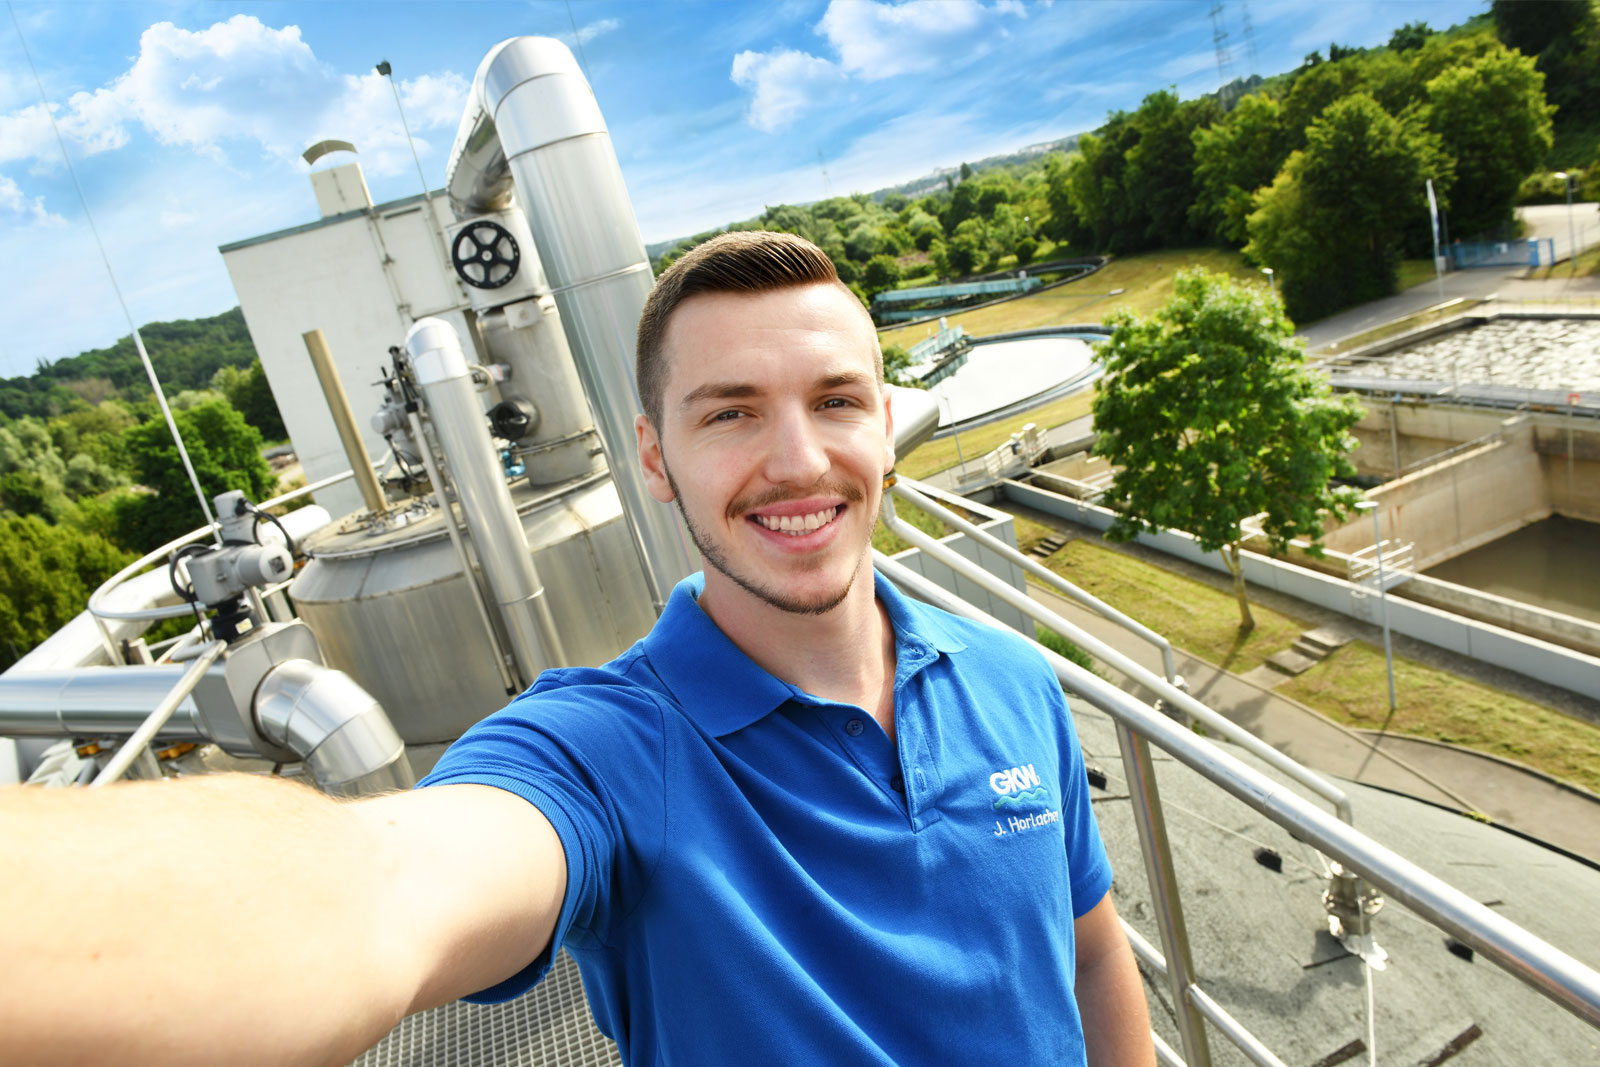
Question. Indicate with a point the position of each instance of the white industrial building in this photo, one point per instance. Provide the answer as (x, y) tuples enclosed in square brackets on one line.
[(362, 273)]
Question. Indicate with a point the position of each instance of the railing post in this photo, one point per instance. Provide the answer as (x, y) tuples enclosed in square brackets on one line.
[(1152, 827)]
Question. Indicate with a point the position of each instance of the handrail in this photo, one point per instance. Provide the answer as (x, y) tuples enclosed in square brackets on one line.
[(912, 492), (1526, 957), (140, 739), (1122, 662), (171, 546)]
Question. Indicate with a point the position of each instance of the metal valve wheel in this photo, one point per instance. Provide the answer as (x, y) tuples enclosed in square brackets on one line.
[(485, 255)]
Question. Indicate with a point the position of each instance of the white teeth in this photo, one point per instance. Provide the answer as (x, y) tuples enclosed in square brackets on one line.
[(798, 524)]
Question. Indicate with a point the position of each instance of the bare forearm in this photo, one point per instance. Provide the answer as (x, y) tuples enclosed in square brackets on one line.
[(192, 918), (1116, 1021)]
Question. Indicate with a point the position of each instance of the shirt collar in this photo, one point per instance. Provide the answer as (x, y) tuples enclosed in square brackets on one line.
[(723, 690)]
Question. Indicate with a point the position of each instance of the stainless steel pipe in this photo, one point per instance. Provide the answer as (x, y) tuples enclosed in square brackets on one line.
[(458, 421), (533, 121)]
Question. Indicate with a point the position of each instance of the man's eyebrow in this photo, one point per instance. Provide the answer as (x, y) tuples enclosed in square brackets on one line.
[(718, 391), (744, 390)]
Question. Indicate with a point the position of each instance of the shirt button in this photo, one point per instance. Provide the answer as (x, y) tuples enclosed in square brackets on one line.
[(898, 784), (854, 727)]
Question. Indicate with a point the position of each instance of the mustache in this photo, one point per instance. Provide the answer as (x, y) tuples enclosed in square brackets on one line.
[(851, 494)]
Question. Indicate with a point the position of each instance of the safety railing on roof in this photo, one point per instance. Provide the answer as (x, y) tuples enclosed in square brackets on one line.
[(1528, 958)]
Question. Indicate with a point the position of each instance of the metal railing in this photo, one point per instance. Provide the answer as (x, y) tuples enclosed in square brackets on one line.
[(1529, 959)]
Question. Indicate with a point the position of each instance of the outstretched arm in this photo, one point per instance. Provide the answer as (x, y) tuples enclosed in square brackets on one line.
[(246, 919), (1116, 1022)]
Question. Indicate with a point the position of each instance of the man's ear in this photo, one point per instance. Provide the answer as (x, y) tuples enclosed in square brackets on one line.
[(888, 429), (652, 461)]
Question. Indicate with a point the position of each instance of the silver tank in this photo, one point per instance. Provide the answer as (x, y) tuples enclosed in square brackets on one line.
[(393, 609)]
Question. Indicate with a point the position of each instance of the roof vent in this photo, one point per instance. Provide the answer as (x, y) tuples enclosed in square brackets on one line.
[(340, 189)]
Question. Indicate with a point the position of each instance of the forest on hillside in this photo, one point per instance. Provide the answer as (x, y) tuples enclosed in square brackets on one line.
[(90, 478), (1319, 173)]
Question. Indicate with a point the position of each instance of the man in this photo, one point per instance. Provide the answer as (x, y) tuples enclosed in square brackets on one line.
[(804, 821)]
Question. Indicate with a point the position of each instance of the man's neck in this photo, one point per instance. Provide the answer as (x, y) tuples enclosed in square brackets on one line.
[(845, 654)]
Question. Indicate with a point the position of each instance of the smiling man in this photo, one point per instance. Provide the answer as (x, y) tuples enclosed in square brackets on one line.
[(804, 821), (807, 820)]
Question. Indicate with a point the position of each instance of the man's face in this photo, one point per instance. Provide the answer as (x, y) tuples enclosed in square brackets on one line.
[(774, 441)]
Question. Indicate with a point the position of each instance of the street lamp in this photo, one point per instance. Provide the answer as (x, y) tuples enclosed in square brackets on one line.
[(1371, 507), (1271, 281), (1572, 232)]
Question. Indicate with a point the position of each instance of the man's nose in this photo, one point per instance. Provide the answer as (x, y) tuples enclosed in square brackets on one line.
[(795, 451)]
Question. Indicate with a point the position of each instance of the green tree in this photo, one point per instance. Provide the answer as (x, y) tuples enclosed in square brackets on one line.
[(967, 246), (226, 453), (1411, 36), (1160, 167), (1232, 159), (1492, 119), (1333, 222), (46, 575), (882, 272), (1211, 417)]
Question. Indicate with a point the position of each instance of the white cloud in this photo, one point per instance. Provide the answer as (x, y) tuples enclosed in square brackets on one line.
[(783, 84), (237, 82), (1181, 67), (874, 41), (880, 40), (589, 31), (14, 202)]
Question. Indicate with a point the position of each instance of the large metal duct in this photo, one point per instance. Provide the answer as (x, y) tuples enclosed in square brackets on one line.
[(532, 123), (441, 371)]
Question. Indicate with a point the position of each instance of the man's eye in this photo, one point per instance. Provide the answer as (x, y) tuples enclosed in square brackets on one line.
[(726, 416), (835, 402)]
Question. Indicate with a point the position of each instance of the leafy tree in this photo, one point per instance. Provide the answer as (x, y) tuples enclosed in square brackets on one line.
[(1411, 36), (1232, 159), (1160, 174), (1491, 117), (966, 172), (46, 575), (1212, 417), (882, 272), (1332, 223), (1026, 247), (1531, 26), (226, 453), (967, 246)]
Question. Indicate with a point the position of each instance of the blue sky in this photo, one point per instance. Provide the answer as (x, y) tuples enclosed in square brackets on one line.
[(186, 120)]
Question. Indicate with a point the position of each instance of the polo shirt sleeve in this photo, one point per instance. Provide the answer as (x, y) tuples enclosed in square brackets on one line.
[(589, 757), (1089, 870)]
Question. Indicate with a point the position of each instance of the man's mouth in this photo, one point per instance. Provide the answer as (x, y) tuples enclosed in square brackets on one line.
[(796, 525)]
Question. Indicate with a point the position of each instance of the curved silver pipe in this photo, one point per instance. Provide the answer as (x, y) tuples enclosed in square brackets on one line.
[(916, 418), (338, 728), (533, 121), (441, 371)]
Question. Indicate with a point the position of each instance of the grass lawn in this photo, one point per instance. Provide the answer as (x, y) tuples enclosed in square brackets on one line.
[(1192, 615), (888, 542), (1351, 687), (934, 456), (1415, 272), (1146, 280)]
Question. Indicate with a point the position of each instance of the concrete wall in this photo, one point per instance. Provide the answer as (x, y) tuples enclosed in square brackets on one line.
[(1413, 431), (1573, 489), (1526, 655), (1565, 630), (1457, 504), (330, 276)]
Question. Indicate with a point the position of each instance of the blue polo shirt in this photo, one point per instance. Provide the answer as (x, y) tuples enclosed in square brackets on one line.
[(756, 875)]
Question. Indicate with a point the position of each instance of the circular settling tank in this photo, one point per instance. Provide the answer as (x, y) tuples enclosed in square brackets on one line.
[(1010, 371)]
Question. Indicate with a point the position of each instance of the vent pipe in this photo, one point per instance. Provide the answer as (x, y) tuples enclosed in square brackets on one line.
[(441, 372), (532, 124)]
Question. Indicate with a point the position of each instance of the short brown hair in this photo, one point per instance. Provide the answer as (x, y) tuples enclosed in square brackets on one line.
[(744, 261)]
